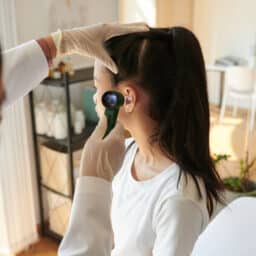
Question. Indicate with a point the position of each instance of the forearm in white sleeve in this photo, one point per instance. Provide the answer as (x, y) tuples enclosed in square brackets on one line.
[(89, 232), (24, 67), (177, 225)]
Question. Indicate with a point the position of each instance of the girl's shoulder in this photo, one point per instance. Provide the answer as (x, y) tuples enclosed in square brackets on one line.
[(186, 189)]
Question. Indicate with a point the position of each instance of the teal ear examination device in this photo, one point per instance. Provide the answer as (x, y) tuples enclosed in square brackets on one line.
[(112, 100)]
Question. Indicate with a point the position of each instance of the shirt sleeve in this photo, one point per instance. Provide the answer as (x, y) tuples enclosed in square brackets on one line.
[(25, 66), (177, 226), (89, 231)]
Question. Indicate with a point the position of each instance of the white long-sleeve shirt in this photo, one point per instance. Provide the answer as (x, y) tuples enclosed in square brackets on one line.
[(153, 217), (156, 216)]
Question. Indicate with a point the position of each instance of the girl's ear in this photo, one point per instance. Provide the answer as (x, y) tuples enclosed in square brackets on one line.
[(131, 95)]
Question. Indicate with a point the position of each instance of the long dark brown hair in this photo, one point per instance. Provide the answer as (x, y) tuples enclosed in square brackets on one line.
[(168, 64)]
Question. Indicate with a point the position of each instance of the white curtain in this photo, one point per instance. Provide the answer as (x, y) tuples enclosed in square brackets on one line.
[(17, 202)]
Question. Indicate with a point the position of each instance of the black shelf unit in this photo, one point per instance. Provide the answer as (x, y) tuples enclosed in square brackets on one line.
[(72, 143)]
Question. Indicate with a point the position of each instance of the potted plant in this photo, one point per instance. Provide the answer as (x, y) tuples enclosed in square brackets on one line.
[(236, 186), (241, 184)]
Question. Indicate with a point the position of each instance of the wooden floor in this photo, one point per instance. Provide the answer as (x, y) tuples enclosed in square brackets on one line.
[(46, 247), (229, 137)]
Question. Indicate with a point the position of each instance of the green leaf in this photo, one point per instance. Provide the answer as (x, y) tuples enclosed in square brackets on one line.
[(234, 184)]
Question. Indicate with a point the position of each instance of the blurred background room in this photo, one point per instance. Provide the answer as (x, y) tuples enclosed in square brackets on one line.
[(43, 134)]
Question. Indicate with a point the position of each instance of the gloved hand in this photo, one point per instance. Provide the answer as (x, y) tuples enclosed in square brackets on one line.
[(88, 41), (103, 158)]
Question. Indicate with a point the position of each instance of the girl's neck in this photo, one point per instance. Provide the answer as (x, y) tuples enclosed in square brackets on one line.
[(149, 154)]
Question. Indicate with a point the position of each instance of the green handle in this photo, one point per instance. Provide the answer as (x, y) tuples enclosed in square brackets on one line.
[(111, 115)]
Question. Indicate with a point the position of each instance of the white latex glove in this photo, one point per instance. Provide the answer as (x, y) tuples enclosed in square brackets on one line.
[(89, 40), (103, 157)]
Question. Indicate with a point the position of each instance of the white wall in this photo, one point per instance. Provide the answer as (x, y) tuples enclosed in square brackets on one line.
[(37, 18), (34, 18), (157, 12), (175, 13), (224, 27), (137, 11), (235, 27)]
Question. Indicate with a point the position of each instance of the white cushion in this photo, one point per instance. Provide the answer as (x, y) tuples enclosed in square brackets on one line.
[(232, 232)]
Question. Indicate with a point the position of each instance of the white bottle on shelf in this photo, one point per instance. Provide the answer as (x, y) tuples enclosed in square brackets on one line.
[(78, 128), (50, 121), (79, 121), (80, 116), (60, 126)]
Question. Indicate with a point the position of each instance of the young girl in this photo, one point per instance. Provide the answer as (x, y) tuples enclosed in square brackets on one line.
[(167, 187)]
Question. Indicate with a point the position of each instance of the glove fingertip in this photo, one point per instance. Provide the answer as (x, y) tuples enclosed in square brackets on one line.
[(112, 67), (106, 60)]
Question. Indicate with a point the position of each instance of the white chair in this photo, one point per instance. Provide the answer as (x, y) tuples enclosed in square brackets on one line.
[(240, 85), (231, 232)]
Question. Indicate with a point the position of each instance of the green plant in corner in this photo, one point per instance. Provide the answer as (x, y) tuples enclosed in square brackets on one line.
[(242, 183)]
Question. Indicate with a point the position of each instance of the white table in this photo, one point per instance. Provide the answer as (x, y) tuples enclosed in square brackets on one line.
[(221, 70)]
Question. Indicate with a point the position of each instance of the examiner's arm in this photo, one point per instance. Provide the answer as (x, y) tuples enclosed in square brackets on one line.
[(25, 66), (89, 231)]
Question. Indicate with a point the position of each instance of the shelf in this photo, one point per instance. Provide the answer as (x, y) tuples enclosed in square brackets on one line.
[(67, 146), (78, 140), (81, 75)]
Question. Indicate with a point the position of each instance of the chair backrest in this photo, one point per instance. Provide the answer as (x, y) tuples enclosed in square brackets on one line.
[(231, 232), (240, 79)]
